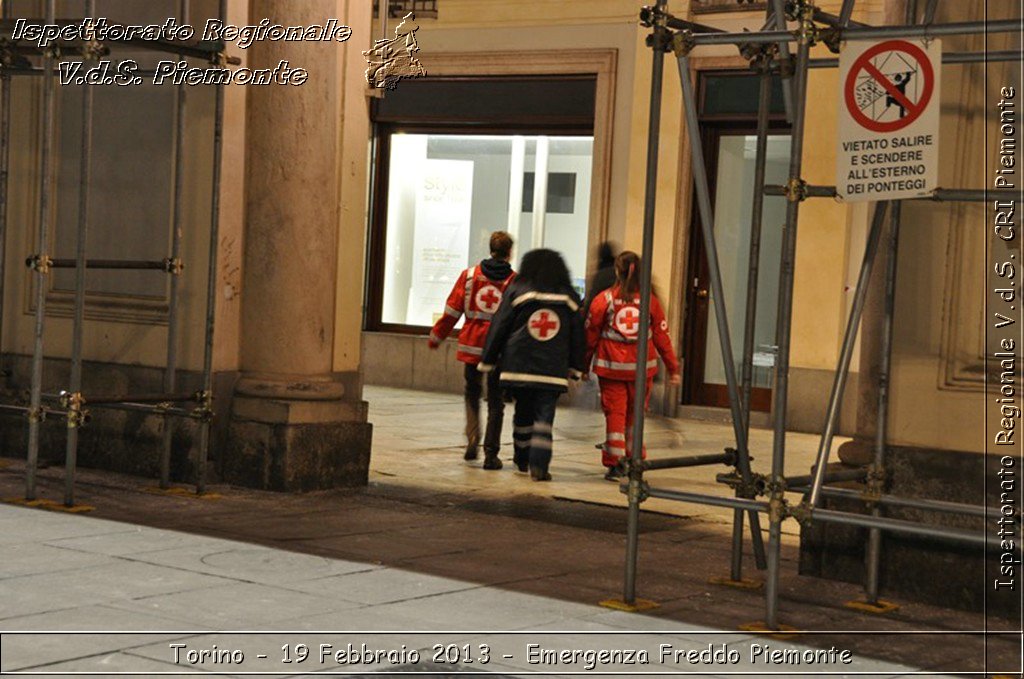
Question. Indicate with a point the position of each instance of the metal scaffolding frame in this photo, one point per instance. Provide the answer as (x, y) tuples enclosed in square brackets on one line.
[(768, 53), (171, 406)]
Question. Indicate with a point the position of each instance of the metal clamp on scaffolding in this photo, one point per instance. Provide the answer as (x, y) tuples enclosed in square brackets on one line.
[(756, 486), (73, 403), (795, 190), (173, 266), (204, 411), (39, 263)]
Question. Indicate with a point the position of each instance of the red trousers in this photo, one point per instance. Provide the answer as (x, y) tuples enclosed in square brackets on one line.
[(617, 398)]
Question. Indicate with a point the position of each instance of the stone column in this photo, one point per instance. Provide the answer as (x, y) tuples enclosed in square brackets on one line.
[(295, 423)]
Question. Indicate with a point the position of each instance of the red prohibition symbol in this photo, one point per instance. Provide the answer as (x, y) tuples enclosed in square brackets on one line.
[(871, 94)]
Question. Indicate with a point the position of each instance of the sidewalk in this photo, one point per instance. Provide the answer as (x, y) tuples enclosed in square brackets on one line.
[(434, 545)]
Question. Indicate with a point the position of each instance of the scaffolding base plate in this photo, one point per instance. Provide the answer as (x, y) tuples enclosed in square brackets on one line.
[(742, 583), (783, 633), (881, 607), (635, 607), (49, 505), (182, 492)]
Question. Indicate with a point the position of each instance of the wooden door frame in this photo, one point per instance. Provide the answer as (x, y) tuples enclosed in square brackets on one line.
[(695, 325)]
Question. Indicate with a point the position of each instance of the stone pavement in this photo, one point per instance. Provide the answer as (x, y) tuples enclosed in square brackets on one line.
[(462, 556)]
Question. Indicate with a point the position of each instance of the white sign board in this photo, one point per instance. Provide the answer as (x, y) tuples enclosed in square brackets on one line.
[(888, 119), (444, 203)]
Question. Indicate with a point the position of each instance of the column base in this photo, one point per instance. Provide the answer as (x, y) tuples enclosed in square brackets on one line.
[(297, 445)]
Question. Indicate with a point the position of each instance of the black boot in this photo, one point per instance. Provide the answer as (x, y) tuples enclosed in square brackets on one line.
[(491, 461), (539, 474)]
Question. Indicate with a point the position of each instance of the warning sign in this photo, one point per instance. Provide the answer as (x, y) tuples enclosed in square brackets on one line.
[(888, 120)]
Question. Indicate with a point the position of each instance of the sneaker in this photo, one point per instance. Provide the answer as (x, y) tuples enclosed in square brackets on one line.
[(492, 462), (613, 474), (538, 474), (471, 453)]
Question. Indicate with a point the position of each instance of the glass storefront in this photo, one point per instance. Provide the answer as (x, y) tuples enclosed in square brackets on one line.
[(446, 193)]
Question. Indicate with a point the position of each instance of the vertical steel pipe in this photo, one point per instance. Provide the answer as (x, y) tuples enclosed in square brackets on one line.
[(5, 159), (778, 11), (173, 301), (835, 400), (700, 178), (74, 417), (35, 415), (754, 267), (783, 332), (874, 547), (846, 12), (660, 37), (929, 12), (211, 275)]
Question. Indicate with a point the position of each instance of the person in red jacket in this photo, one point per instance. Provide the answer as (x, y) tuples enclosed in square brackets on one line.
[(613, 325), (476, 295)]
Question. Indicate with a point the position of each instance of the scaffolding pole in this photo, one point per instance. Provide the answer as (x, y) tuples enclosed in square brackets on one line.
[(5, 160), (874, 547), (173, 315), (784, 325), (35, 414), (947, 58), (211, 278), (764, 100), (863, 33), (835, 399), (707, 220), (938, 195), (659, 39), (778, 12), (76, 415)]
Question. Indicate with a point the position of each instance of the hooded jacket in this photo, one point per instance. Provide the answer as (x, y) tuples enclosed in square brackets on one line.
[(476, 294), (613, 335), (536, 338)]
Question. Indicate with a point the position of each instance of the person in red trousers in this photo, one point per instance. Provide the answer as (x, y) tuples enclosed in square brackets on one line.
[(613, 327)]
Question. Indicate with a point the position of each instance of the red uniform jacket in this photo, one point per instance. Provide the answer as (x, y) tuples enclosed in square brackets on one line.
[(612, 328), (477, 297)]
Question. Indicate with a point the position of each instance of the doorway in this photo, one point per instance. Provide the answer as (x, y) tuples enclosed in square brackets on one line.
[(730, 142)]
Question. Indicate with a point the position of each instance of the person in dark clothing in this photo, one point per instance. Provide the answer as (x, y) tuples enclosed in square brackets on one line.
[(604, 277), (537, 340), (477, 294)]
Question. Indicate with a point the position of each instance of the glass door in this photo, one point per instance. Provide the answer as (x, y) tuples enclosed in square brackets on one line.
[(731, 160)]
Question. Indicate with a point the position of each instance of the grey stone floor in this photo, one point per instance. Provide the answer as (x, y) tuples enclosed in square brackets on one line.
[(81, 594), (435, 551)]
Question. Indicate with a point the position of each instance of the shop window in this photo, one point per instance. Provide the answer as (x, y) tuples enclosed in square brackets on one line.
[(459, 158), (446, 193)]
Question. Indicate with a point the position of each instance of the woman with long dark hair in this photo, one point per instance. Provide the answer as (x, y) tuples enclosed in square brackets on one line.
[(536, 338), (613, 329)]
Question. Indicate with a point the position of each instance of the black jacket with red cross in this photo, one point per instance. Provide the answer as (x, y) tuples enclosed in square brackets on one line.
[(536, 338), (613, 328), (476, 294)]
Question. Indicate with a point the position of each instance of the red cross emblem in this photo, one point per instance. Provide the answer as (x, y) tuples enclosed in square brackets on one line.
[(543, 324), (488, 298), (627, 321)]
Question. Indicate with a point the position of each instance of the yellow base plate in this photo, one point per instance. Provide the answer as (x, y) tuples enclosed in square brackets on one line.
[(738, 584), (880, 608), (49, 505), (183, 492), (783, 633), (635, 607)]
